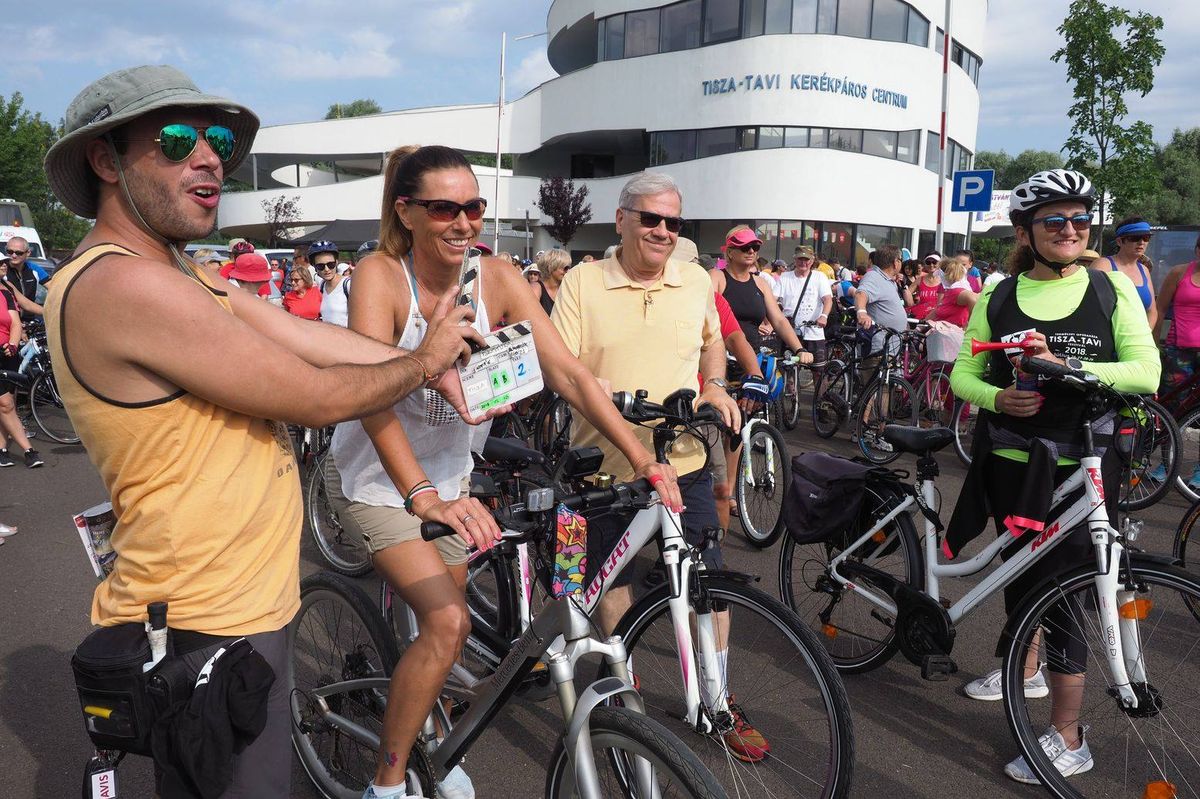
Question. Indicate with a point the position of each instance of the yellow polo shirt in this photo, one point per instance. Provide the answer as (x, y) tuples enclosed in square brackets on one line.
[(638, 337), (826, 270)]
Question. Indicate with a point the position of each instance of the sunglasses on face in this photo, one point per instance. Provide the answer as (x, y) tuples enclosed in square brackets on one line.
[(1056, 222), (650, 220), (748, 248), (323, 267), (448, 210), (178, 141), (1143, 238), (17, 252)]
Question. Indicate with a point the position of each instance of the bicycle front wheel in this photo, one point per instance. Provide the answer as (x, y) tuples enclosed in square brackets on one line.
[(763, 474), (1154, 460), (1183, 535), (624, 744), (1187, 479), (831, 400), (337, 636), (48, 412), (1130, 748), (778, 680), (895, 403), (965, 418), (342, 550)]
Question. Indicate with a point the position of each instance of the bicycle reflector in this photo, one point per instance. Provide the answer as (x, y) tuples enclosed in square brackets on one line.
[(829, 630), (1159, 789), (1137, 609)]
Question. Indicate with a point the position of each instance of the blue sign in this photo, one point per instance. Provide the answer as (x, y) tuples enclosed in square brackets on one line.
[(972, 190)]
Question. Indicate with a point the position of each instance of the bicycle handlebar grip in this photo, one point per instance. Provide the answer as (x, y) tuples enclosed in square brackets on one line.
[(432, 531), (1038, 366)]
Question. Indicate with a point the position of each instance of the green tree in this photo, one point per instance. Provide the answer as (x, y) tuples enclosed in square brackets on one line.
[(997, 161), (1177, 202), (280, 214), (1110, 53), (357, 108), (24, 140), (489, 160), (566, 205), (1010, 171)]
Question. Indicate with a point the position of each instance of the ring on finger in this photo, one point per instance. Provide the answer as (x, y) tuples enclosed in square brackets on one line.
[(467, 518)]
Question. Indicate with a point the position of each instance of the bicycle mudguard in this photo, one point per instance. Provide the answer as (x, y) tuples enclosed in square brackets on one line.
[(1135, 558), (596, 694)]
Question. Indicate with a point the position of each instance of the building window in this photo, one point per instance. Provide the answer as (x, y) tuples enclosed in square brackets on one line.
[(854, 18), (748, 138), (770, 138), (722, 20), (681, 26), (889, 20), (818, 137), (879, 142), (906, 146), (778, 18), (939, 43), (641, 33), (600, 38), (615, 38), (804, 16), (716, 141), (752, 18), (795, 137), (931, 150), (827, 16), (918, 28), (672, 146), (589, 165), (845, 139)]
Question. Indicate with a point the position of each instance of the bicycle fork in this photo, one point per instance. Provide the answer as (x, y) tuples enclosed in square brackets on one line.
[(768, 446)]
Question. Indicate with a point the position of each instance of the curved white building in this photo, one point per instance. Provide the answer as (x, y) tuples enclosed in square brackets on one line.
[(814, 120)]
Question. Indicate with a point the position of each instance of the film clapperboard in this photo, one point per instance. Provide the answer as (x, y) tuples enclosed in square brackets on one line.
[(505, 371)]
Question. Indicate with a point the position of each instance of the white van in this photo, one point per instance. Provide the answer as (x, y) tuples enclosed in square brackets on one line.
[(36, 250)]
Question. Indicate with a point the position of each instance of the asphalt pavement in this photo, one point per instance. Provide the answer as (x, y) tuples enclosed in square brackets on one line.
[(914, 738)]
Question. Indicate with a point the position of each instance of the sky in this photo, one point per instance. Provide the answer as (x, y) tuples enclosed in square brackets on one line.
[(289, 61)]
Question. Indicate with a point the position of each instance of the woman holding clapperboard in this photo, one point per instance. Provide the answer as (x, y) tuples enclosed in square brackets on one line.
[(412, 463)]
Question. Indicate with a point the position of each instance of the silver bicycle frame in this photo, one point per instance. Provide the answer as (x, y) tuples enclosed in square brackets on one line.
[(1122, 642)]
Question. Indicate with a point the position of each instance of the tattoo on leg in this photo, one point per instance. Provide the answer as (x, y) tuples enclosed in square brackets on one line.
[(391, 759)]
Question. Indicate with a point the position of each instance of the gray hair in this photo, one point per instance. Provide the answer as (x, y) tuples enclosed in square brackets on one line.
[(610, 250), (645, 184)]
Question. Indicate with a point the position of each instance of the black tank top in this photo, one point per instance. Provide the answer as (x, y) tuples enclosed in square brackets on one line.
[(748, 305), (1085, 334), (545, 299)]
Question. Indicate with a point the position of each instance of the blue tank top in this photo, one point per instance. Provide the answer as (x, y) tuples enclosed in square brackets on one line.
[(1144, 289)]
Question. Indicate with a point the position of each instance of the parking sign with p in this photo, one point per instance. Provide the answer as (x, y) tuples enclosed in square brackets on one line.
[(972, 190)]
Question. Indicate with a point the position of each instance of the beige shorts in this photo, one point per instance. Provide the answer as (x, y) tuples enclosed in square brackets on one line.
[(381, 526), (716, 454)]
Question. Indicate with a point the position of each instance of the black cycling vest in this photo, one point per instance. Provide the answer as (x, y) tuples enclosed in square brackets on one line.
[(748, 305), (1085, 334)]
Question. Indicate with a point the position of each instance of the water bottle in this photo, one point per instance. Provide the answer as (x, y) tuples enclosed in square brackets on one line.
[(27, 352), (156, 632)]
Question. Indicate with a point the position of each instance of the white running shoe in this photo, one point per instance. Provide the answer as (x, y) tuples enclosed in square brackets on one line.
[(1068, 762), (6, 531), (987, 687), (389, 793), (457, 785)]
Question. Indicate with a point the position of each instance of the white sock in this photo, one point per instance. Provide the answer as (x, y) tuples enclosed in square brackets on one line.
[(389, 791)]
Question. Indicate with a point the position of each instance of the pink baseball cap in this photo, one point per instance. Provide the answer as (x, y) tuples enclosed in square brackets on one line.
[(742, 237), (252, 267)]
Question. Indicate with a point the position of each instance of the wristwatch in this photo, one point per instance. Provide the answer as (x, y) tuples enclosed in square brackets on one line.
[(1074, 363), (719, 382)]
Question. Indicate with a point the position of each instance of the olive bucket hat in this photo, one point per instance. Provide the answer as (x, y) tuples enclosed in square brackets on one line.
[(121, 97)]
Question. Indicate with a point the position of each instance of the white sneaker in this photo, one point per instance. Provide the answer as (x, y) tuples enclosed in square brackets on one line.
[(371, 793), (1067, 762), (457, 785), (987, 687), (6, 531)]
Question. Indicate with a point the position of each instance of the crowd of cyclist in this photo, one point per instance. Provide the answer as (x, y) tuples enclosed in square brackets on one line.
[(173, 419)]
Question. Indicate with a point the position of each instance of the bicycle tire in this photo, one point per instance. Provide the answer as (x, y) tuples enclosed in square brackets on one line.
[(780, 675), (790, 401), (1158, 443), (760, 507), (860, 638), (552, 429), (336, 545), (618, 729), (901, 409), (831, 402), (49, 414), (1183, 534), (1187, 477), (935, 399), (1115, 736), (965, 419), (326, 651)]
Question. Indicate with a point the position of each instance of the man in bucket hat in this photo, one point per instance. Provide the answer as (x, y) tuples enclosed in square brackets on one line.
[(172, 379)]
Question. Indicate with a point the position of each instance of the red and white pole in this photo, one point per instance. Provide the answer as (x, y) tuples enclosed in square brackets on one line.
[(941, 174)]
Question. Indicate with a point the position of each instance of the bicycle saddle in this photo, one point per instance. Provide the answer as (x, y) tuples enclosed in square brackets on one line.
[(510, 449), (918, 439)]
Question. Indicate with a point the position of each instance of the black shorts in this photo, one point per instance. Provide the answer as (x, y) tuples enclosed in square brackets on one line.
[(604, 531)]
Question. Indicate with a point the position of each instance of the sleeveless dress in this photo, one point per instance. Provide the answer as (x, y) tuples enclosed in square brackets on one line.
[(749, 306), (441, 441)]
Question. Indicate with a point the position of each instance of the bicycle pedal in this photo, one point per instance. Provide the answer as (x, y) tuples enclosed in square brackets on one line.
[(937, 668)]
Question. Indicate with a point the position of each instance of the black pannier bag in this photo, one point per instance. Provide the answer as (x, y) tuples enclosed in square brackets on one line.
[(826, 496), (112, 687)]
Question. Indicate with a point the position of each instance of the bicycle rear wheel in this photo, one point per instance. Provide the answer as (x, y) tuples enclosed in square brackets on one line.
[(777, 675), (1187, 479), (831, 400), (1130, 748), (763, 473), (965, 418), (935, 398), (1155, 459), (49, 415), (857, 634), (342, 550), (880, 406), (338, 636), (1183, 536)]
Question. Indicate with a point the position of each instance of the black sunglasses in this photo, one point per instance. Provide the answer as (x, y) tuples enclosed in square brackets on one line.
[(651, 220), (1143, 237), (1056, 222), (323, 267), (17, 252), (751, 247), (448, 210)]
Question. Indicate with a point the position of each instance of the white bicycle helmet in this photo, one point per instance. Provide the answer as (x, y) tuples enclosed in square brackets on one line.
[(1050, 186)]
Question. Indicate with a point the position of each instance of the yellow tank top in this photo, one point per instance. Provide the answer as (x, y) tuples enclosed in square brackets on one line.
[(207, 500)]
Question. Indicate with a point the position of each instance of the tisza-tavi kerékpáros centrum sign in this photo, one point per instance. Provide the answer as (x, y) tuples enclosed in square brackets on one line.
[(803, 82)]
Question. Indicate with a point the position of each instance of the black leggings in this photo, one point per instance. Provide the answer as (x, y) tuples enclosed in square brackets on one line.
[(1062, 641)]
